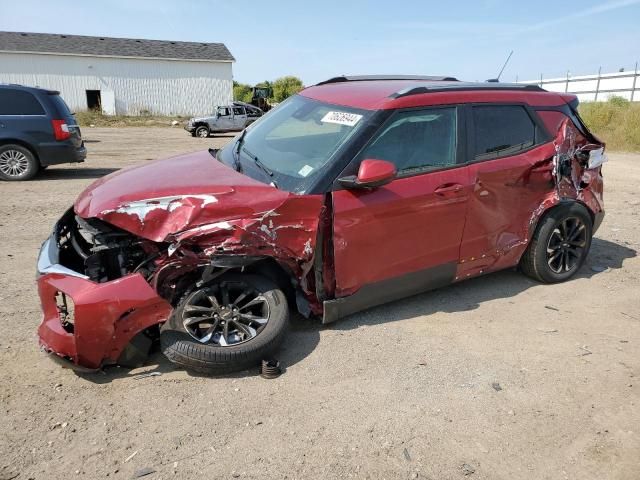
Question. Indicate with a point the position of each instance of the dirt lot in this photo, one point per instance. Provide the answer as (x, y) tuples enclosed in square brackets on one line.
[(407, 390)]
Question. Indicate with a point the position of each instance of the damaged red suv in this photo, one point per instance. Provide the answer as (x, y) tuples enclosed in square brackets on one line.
[(355, 192)]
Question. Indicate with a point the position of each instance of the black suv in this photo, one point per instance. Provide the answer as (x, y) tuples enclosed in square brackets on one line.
[(36, 130)]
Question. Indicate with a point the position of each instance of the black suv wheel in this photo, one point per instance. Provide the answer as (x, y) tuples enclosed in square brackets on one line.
[(560, 244), (227, 326), (17, 163)]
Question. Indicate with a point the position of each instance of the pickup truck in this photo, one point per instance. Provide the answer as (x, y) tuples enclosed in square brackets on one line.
[(229, 118)]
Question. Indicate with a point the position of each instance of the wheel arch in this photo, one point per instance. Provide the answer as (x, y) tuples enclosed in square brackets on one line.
[(263, 265), (22, 143), (537, 219)]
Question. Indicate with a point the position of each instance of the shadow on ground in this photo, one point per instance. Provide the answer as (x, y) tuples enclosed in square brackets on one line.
[(470, 294), (302, 339), (304, 334), (66, 173)]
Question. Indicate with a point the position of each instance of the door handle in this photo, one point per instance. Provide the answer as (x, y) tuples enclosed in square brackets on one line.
[(448, 188)]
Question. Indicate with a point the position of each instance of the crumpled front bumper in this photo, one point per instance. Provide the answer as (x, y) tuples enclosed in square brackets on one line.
[(106, 316)]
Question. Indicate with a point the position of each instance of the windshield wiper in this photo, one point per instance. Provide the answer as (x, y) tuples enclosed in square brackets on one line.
[(214, 153), (258, 162), (236, 151)]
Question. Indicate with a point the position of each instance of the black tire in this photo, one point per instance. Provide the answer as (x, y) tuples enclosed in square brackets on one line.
[(202, 131), (182, 348), (17, 163), (559, 245)]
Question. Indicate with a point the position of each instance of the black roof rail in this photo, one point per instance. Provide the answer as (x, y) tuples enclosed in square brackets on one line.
[(364, 78), (465, 86)]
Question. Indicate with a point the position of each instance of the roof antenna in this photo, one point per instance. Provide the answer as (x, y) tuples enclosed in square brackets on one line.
[(497, 79)]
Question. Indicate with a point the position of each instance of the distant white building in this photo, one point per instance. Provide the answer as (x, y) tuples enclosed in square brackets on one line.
[(122, 76)]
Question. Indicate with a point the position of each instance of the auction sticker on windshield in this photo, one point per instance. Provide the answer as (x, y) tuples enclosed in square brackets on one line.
[(342, 118)]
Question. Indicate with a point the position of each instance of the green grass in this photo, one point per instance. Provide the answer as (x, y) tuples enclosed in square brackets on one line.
[(96, 119), (616, 122)]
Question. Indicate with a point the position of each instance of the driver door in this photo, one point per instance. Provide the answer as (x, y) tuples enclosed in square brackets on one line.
[(404, 237), (224, 120)]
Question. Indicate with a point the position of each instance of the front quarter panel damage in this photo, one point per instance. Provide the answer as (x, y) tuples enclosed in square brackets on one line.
[(286, 233)]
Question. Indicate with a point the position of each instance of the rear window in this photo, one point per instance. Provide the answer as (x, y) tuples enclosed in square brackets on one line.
[(502, 130), (19, 102), (61, 106)]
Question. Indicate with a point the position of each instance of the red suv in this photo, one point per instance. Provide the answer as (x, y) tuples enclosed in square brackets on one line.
[(355, 192)]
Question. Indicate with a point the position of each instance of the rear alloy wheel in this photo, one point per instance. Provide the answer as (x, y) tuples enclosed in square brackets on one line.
[(560, 244), (17, 163), (566, 245), (231, 325), (202, 132)]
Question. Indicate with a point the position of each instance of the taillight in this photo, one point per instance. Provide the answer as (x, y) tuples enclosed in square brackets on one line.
[(60, 129)]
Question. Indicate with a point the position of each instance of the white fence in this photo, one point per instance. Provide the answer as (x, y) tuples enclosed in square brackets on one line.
[(599, 87)]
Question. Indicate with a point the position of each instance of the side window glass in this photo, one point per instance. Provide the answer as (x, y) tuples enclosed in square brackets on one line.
[(502, 130), (19, 102), (223, 111), (238, 111), (417, 140)]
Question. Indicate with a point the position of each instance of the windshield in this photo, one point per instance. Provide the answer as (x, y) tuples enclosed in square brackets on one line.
[(292, 144)]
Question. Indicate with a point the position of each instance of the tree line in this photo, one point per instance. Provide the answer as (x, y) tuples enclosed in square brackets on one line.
[(281, 89)]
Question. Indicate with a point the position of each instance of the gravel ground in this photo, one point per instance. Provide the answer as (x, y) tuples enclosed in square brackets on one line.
[(494, 378)]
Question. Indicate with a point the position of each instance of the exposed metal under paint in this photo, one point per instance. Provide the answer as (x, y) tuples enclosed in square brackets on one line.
[(142, 208)]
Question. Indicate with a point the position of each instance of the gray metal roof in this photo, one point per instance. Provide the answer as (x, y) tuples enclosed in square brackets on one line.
[(112, 47)]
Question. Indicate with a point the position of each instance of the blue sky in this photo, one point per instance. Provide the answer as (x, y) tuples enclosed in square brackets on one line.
[(320, 39)]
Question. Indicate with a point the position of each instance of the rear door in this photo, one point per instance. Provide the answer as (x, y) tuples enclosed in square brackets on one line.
[(239, 118), (404, 237), (511, 157)]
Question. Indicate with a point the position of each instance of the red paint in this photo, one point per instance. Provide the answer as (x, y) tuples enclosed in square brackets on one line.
[(107, 316), (374, 171), (504, 192), (399, 228), (233, 195)]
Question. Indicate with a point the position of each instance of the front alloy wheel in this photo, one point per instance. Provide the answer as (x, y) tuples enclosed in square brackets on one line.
[(227, 326), (225, 314)]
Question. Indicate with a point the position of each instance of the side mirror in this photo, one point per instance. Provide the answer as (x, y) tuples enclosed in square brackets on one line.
[(371, 174)]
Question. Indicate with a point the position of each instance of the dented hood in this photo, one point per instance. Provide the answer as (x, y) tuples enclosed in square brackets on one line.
[(161, 198)]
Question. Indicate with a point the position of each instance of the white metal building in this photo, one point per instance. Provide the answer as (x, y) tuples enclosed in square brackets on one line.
[(122, 76)]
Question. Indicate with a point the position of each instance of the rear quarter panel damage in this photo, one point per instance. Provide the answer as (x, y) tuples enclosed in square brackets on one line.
[(512, 194)]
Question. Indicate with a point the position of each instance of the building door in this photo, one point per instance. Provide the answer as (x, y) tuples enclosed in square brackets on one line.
[(94, 102)]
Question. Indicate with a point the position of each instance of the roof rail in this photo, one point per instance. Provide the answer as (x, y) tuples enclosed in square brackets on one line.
[(465, 86), (364, 78)]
